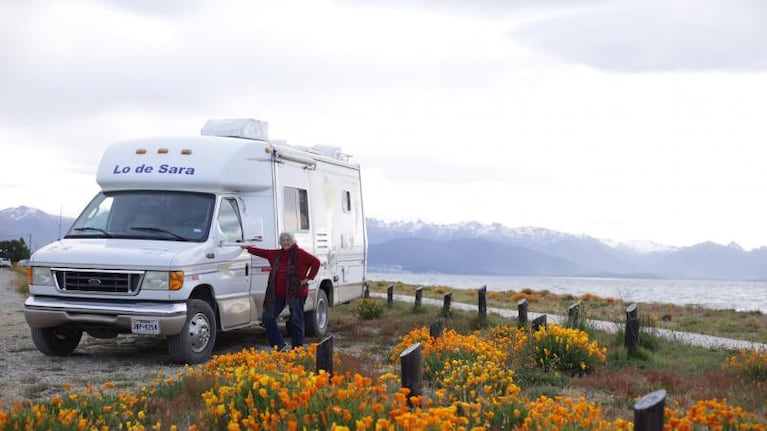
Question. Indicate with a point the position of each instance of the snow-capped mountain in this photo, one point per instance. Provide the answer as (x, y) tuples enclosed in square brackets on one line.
[(36, 227), (469, 246)]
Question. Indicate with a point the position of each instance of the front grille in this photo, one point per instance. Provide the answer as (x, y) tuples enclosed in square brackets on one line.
[(98, 281)]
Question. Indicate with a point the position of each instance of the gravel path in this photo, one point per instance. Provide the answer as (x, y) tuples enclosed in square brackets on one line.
[(683, 337), (128, 361)]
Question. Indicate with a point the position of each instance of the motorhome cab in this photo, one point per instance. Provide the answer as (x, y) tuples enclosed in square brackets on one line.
[(158, 250)]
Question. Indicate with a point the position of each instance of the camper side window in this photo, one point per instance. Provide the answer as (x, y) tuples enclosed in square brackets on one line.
[(296, 209), (229, 220), (347, 201)]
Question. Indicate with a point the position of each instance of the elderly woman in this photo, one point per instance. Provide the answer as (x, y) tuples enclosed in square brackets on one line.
[(291, 270)]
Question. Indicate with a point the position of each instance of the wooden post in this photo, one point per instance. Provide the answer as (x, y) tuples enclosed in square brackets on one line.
[(522, 312), (631, 338), (390, 295), (483, 304), (412, 369), (648, 412), (446, 300), (366, 292), (573, 315), (325, 355), (436, 328), (538, 322), (418, 297)]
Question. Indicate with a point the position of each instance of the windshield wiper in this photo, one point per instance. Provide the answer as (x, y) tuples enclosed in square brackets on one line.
[(157, 229), (81, 229)]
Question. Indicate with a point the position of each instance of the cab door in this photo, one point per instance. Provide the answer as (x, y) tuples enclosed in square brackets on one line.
[(232, 265)]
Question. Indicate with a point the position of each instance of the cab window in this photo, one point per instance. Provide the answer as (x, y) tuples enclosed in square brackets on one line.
[(229, 220)]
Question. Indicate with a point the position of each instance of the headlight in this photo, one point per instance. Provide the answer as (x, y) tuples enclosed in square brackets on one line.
[(163, 280), (40, 276)]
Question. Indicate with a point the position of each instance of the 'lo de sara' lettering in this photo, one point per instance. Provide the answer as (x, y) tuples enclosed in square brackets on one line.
[(148, 169)]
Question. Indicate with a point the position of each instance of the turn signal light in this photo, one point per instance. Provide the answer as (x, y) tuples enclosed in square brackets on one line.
[(176, 280)]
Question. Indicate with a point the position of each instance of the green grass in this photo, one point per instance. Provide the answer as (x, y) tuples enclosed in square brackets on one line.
[(687, 373)]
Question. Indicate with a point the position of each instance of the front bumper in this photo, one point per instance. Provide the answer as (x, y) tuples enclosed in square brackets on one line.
[(47, 311)]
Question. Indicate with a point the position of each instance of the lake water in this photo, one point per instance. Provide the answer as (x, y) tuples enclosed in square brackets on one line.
[(738, 295)]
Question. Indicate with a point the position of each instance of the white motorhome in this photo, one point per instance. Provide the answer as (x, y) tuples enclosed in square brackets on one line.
[(158, 250)]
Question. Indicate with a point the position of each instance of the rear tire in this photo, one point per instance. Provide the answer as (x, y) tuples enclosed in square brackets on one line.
[(316, 321), (56, 341), (194, 344)]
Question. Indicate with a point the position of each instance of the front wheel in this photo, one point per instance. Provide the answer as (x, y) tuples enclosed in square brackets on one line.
[(194, 343), (56, 341), (316, 321)]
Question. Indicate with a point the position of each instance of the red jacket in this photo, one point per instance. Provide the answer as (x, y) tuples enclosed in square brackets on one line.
[(307, 267)]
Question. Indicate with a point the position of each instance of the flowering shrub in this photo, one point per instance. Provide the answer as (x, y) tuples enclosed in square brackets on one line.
[(712, 415), (567, 414), (566, 349), (752, 362), (470, 387), (368, 309)]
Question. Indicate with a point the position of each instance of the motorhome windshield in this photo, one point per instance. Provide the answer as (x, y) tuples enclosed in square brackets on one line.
[(158, 215)]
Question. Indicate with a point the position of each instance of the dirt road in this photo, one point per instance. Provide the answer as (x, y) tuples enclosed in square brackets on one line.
[(128, 361)]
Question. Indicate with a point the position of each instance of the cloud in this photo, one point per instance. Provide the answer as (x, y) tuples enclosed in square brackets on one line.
[(655, 35), (93, 59)]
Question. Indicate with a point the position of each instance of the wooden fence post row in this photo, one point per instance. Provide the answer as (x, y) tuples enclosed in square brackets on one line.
[(412, 369), (648, 412), (418, 297), (631, 338), (522, 312), (325, 355)]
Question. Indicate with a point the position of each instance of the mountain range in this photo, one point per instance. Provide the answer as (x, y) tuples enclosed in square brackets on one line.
[(491, 249), (494, 249)]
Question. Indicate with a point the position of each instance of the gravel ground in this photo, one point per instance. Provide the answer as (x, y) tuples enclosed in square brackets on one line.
[(128, 361)]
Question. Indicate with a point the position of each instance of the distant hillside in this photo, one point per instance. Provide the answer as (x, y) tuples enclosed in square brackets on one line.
[(469, 248), (32, 224), (467, 256)]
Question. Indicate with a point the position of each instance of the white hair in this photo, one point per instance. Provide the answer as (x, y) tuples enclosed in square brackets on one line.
[(287, 235)]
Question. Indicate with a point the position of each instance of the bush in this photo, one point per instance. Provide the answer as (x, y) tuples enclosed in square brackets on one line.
[(557, 348), (368, 309)]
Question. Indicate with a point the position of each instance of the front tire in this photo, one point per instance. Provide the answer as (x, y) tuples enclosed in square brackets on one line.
[(316, 321), (56, 341), (194, 344)]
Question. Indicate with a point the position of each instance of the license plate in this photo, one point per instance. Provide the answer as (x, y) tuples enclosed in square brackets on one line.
[(145, 326)]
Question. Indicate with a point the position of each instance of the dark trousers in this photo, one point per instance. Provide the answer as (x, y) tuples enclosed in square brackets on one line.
[(295, 323)]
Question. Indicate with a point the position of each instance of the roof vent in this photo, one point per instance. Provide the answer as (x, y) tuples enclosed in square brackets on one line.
[(247, 128)]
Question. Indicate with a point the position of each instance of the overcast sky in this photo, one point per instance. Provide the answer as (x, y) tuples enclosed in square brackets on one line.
[(628, 120)]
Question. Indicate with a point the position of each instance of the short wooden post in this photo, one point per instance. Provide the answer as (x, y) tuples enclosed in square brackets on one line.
[(412, 369), (483, 304), (436, 328), (325, 355), (522, 312), (648, 412), (418, 296), (366, 292), (390, 295), (573, 314), (446, 300), (631, 338), (538, 322)]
